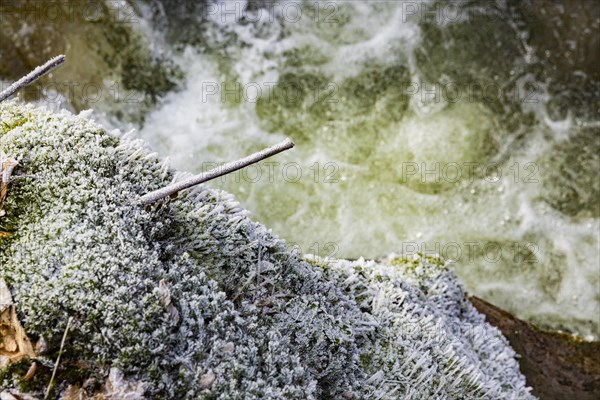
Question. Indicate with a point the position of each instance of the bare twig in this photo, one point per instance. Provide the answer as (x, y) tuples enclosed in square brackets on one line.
[(215, 172), (62, 345), (33, 76)]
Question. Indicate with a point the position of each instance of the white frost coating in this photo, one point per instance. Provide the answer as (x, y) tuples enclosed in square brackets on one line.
[(254, 319)]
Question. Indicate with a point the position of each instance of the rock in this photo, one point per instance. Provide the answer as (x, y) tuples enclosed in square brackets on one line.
[(557, 366), (82, 247), (207, 380)]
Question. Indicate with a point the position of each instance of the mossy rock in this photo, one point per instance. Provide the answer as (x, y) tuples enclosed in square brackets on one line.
[(193, 298)]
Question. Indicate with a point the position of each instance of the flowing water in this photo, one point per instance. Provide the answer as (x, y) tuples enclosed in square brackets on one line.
[(468, 129)]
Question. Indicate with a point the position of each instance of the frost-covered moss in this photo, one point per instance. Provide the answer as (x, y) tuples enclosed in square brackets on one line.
[(193, 298)]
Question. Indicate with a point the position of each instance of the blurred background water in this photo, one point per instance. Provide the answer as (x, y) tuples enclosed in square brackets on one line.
[(469, 129)]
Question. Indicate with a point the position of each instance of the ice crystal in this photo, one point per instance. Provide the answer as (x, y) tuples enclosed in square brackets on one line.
[(194, 299)]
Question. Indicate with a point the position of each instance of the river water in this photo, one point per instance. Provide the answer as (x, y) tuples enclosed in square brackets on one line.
[(467, 129)]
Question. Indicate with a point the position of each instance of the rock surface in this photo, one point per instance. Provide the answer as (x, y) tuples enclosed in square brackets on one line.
[(558, 366)]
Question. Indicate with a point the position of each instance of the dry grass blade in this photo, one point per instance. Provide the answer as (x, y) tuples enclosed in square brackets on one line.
[(62, 346)]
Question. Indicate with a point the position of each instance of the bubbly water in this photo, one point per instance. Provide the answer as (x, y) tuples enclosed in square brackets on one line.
[(465, 129), (419, 127)]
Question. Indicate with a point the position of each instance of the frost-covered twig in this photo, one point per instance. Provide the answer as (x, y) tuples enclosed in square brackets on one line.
[(33, 76), (216, 172), (62, 345)]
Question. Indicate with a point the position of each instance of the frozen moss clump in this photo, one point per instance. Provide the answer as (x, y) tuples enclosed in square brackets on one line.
[(192, 298)]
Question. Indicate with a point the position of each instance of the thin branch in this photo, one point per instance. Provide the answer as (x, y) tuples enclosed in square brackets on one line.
[(216, 172), (33, 76), (62, 345)]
